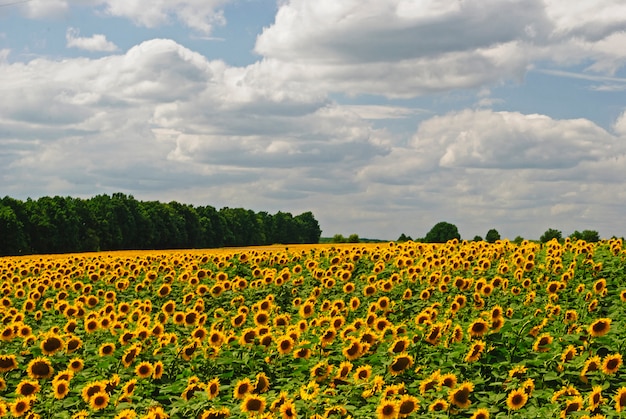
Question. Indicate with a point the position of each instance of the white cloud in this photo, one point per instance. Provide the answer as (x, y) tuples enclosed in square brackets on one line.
[(519, 173), (200, 15), (620, 125), (39, 9), (97, 42), (397, 48), (161, 116)]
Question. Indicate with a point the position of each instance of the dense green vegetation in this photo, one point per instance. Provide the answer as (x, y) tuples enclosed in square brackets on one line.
[(116, 222)]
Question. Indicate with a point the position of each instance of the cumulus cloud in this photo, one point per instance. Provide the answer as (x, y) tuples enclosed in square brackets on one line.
[(397, 48), (97, 42), (486, 167), (160, 116), (200, 15)]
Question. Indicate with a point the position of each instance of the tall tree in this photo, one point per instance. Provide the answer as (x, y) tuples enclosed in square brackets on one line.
[(442, 232), (492, 236)]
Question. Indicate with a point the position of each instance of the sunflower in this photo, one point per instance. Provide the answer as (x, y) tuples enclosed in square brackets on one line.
[(76, 364), (253, 403), (611, 363), (460, 395), (307, 309), (429, 383), (126, 414), (591, 364), (8, 363), (91, 389), (216, 338), (21, 405), (285, 344), (517, 371), (568, 354), (387, 409), (478, 328), (572, 405), (129, 355), (40, 367), (27, 388), (542, 343), (188, 351), (190, 390), (321, 371), (448, 380), (363, 373), (262, 383), (516, 399), (599, 327), (61, 388), (407, 404), (215, 413), (620, 399), (438, 405), (288, 410), (400, 363), (129, 387), (106, 349), (156, 412), (480, 413), (475, 351), (595, 398), (242, 388), (354, 349), (51, 344), (399, 345), (73, 344), (144, 370), (213, 388)]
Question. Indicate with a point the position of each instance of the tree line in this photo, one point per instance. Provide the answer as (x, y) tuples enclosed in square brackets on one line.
[(120, 222), (444, 231)]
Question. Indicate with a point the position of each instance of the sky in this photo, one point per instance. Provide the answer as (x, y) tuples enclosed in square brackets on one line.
[(382, 117)]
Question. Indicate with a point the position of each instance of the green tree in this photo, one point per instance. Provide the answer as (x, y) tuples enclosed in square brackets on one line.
[(338, 238), (12, 232), (308, 228), (550, 234), (518, 240), (590, 236), (442, 232), (404, 238), (353, 238), (478, 239), (492, 236)]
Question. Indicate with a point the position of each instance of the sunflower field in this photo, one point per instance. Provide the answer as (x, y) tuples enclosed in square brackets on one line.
[(461, 329)]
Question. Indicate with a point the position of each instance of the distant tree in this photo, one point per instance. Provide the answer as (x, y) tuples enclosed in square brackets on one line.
[(550, 234), (518, 240), (442, 232), (492, 236), (477, 239), (338, 238), (353, 238), (404, 238), (590, 236), (309, 228)]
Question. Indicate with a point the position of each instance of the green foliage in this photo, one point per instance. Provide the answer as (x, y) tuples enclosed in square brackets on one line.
[(442, 232), (353, 238), (492, 236), (590, 236), (339, 238), (477, 239), (550, 234), (117, 222), (404, 238), (518, 240)]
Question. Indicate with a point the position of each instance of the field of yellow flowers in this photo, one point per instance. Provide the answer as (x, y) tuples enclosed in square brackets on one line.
[(462, 329)]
